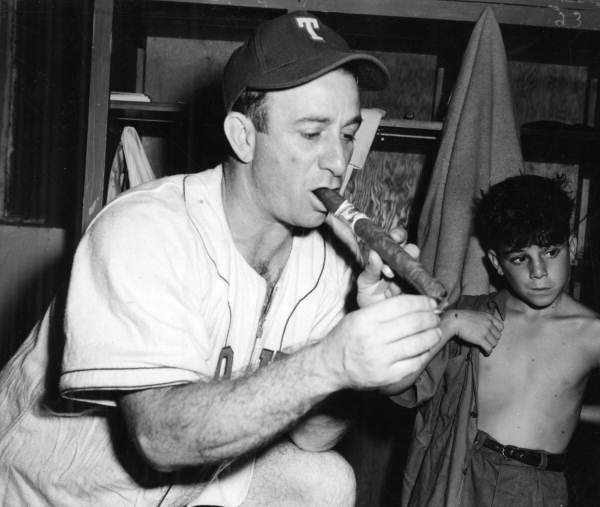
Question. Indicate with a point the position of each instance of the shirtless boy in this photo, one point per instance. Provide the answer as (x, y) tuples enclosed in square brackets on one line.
[(499, 418)]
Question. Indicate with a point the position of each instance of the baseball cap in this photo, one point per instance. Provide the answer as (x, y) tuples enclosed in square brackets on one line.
[(291, 50)]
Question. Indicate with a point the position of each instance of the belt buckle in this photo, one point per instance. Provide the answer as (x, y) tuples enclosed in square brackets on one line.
[(511, 449)]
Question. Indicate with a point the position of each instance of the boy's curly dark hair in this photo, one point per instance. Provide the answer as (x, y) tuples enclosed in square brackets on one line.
[(524, 210)]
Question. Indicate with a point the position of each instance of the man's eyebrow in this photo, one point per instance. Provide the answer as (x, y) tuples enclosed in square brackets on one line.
[(313, 119), (327, 120)]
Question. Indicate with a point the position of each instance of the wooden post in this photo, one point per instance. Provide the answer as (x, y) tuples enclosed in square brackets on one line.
[(8, 14), (95, 153)]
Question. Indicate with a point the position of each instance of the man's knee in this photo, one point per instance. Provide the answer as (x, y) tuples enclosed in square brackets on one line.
[(329, 480), (291, 476)]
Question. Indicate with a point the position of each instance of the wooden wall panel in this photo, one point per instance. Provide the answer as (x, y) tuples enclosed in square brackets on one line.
[(548, 92), (179, 69), (549, 169), (386, 187), (411, 89), (189, 71)]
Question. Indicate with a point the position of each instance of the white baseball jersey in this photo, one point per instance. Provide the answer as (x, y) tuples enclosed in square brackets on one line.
[(158, 296)]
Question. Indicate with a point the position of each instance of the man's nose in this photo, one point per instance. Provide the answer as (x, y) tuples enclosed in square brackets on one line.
[(336, 157)]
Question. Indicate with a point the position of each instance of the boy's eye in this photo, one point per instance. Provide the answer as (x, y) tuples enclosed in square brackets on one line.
[(552, 252), (349, 137), (517, 259)]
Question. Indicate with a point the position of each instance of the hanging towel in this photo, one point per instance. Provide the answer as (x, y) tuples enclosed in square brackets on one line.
[(363, 139), (130, 166), (479, 147)]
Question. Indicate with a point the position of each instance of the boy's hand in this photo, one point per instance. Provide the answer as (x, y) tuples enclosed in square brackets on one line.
[(477, 328)]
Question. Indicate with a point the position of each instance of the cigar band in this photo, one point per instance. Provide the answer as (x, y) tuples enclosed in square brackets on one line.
[(349, 214)]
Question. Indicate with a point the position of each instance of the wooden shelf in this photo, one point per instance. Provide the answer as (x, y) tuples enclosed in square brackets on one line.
[(159, 112), (397, 135), (409, 129), (541, 141), (547, 141)]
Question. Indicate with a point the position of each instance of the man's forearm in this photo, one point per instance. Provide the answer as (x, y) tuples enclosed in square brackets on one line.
[(203, 423)]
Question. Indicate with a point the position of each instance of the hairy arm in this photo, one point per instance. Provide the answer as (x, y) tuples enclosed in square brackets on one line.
[(209, 422)]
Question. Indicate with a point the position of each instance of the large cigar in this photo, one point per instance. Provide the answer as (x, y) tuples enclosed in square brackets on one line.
[(379, 240)]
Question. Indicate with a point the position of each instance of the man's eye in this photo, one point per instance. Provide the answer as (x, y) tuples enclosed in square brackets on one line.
[(349, 137), (519, 259), (310, 135)]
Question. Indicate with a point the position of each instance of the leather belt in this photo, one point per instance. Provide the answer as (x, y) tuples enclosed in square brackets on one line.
[(538, 459)]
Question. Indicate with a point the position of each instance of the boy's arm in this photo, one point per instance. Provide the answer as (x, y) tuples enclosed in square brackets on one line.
[(590, 413), (481, 329), (478, 328)]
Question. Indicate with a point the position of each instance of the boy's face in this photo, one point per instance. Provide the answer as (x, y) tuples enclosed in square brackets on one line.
[(535, 274)]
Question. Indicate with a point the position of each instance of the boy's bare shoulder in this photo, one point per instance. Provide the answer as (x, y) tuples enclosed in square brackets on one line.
[(576, 310), (584, 325)]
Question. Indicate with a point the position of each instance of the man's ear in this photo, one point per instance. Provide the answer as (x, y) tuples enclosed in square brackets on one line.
[(493, 257), (572, 249), (241, 134)]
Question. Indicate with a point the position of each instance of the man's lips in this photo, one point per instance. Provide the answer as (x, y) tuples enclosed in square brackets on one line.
[(322, 206)]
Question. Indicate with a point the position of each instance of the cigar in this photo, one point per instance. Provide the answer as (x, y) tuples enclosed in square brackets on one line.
[(376, 238)]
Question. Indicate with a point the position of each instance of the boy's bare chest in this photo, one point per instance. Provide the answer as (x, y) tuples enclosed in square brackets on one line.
[(531, 385), (539, 357)]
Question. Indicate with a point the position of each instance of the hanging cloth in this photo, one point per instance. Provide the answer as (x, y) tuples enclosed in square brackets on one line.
[(130, 166), (479, 147)]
